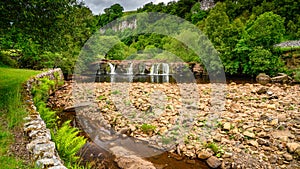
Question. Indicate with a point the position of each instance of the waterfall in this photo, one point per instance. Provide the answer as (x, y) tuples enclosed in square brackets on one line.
[(156, 72), (166, 69), (155, 69), (112, 68), (130, 69), (152, 69)]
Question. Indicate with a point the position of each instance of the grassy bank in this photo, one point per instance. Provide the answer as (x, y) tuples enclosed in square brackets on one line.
[(12, 112)]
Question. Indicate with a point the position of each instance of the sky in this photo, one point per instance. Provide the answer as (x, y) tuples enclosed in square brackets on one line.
[(97, 6)]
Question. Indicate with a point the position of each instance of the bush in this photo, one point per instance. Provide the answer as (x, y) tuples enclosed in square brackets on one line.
[(262, 61), (10, 57)]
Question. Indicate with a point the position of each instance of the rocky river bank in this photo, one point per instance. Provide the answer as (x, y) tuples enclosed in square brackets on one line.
[(258, 126)]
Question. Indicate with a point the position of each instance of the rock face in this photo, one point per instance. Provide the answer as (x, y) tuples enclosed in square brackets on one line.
[(263, 79)]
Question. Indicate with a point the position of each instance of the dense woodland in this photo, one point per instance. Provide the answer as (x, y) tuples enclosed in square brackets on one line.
[(46, 34)]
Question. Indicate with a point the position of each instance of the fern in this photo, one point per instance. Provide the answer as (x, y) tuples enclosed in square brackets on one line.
[(68, 143)]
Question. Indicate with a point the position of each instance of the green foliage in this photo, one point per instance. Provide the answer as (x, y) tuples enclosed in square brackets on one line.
[(68, 143), (148, 128), (10, 57), (267, 30), (262, 60)]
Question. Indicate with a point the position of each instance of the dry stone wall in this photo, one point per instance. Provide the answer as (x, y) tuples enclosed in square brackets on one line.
[(42, 149)]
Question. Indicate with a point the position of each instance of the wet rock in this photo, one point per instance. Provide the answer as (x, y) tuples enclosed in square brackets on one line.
[(263, 79), (292, 146), (213, 162)]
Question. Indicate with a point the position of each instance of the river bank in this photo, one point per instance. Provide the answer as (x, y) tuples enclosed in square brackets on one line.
[(259, 126)]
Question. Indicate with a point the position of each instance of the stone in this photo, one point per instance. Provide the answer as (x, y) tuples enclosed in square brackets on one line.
[(227, 126), (288, 157), (292, 146), (213, 162), (281, 117), (127, 159), (263, 79), (281, 78), (274, 122), (263, 142), (253, 143), (203, 155), (262, 90), (249, 134)]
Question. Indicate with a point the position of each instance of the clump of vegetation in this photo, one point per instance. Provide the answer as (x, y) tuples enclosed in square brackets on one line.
[(215, 148), (68, 143), (148, 128)]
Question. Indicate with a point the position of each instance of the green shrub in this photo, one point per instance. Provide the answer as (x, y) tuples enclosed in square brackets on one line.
[(68, 143)]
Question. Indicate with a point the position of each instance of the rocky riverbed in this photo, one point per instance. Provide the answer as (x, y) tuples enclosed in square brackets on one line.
[(256, 127)]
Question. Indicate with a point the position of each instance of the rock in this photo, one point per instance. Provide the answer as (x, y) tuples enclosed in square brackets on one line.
[(127, 159), (281, 117), (227, 126), (213, 162), (274, 122), (273, 159), (262, 90), (263, 79), (263, 142), (281, 78), (253, 143), (271, 106), (249, 134), (288, 157), (292, 146), (203, 155), (227, 155)]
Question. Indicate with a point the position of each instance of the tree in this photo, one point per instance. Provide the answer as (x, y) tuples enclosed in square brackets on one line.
[(267, 30)]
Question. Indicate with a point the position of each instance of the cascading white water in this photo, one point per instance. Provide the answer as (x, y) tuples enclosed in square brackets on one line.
[(166, 69), (112, 68), (130, 69), (155, 69), (152, 69), (156, 72)]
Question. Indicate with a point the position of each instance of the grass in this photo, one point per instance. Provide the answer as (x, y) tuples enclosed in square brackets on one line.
[(12, 112)]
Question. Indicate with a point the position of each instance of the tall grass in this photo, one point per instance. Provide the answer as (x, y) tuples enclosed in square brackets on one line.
[(12, 112)]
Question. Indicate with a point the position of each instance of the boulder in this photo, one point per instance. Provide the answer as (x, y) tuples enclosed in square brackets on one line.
[(213, 162), (263, 79)]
